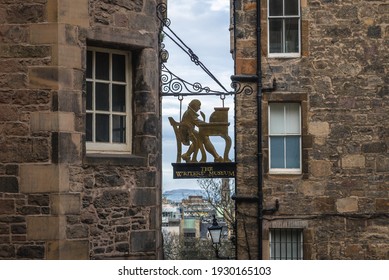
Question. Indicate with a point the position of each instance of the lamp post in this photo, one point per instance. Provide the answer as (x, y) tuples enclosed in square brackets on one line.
[(216, 231)]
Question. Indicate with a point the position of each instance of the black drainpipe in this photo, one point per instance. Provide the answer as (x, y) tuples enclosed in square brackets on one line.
[(259, 131)]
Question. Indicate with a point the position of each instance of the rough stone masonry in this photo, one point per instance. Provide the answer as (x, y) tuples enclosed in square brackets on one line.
[(341, 198), (56, 200)]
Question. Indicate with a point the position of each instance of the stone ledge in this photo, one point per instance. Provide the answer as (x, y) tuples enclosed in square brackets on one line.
[(105, 35), (114, 159)]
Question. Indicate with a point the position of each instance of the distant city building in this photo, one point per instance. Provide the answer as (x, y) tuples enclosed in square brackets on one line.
[(196, 207), (171, 219)]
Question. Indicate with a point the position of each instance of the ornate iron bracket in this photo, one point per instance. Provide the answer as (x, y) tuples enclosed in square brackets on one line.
[(172, 84)]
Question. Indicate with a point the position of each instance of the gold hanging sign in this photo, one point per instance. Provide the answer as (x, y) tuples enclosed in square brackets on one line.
[(194, 133)]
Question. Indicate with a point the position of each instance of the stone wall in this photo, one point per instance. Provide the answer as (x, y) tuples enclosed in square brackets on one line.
[(57, 201), (341, 199)]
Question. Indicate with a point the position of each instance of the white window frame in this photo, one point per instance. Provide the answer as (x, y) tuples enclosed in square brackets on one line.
[(300, 244), (111, 147), (284, 54), (284, 170)]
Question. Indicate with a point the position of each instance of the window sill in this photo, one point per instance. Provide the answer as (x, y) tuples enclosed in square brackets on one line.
[(114, 159), (284, 55), (284, 176), (285, 172)]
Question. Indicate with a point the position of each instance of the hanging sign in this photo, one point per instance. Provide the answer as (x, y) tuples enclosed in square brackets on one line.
[(192, 133)]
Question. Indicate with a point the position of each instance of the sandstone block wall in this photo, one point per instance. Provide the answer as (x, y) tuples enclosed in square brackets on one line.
[(57, 201), (341, 80)]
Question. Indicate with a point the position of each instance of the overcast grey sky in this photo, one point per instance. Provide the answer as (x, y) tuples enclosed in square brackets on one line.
[(203, 26)]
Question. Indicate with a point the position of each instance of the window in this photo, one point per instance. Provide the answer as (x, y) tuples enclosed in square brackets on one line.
[(284, 28), (286, 244), (108, 110), (189, 234), (285, 138)]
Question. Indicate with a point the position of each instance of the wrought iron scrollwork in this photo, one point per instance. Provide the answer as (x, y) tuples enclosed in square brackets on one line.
[(164, 54), (238, 88), (161, 14), (173, 85)]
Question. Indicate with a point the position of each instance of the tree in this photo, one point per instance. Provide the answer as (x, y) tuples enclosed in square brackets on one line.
[(180, 248), (218, 194)]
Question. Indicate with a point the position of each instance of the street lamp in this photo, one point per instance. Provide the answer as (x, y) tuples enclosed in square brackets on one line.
[(215, 231)]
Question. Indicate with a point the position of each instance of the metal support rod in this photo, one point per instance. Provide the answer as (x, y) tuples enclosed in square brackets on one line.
[(234, 58)]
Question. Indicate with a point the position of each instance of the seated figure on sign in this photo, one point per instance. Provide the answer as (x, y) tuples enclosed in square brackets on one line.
[(190, 136)]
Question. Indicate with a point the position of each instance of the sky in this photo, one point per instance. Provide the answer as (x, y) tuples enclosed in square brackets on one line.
[(203, 26)]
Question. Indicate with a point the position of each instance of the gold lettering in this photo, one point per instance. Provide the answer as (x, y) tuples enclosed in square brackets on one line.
[(206, 169), (222, 173), (204, 172)]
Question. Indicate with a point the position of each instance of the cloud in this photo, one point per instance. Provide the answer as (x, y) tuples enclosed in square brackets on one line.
[(198, 9), (219, 5)]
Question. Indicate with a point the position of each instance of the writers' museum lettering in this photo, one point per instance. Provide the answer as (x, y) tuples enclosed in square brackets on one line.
[(204, 170)]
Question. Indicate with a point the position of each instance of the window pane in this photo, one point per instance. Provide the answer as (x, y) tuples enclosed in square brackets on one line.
[(89, 125), (291, 7), (277, 119), (287, 246), (291, 35), (292, 118), (275, 7), (119, 129), (277, 249), (275, 236), (119, 98), (295, 246), (102, 128), (118, 68), (89, 64), (283, 255), (275, 35), (293, 152), (102, 97), (89, 94), (277, 155), (102, 66)]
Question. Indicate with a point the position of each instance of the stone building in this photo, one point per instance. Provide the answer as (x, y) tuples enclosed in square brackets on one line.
[(80, 130), (316, 139)]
